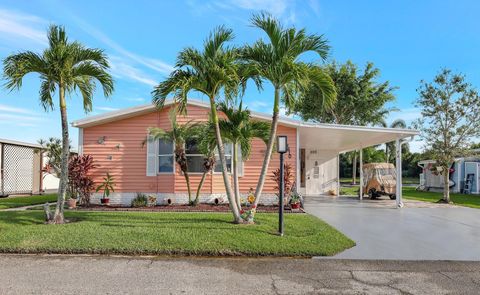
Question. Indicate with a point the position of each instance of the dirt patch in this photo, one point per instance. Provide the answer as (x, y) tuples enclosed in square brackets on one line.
[(183, 208)]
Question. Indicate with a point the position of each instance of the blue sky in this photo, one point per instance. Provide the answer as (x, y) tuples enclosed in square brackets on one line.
[(407, 40)]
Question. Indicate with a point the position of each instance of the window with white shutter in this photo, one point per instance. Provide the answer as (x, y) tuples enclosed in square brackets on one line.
[(152, 147)]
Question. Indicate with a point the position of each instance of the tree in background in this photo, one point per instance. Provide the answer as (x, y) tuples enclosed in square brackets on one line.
[(64, 67), (277, 61), (211, 71), (205, 134), (450, 119), (361, 100), (390, 146), (52, 150), (240, 130)]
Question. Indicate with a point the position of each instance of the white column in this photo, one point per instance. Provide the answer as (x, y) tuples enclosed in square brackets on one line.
[(398, 158), (338, 175), (361, 174)]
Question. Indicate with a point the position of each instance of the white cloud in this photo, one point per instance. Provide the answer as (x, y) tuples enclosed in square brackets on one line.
[(15, 26), (120, 69), (135, 99), (107, 109), (259, 106), (10, 109), (408, 115)]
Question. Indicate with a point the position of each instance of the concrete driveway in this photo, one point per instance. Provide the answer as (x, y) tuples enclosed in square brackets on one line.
[(419, 231)]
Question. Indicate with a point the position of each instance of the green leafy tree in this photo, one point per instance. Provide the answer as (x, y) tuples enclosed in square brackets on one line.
[(52, 150), (278, 62), (240, 130), (178, 134), (450, 119), (64, 67), (211, 71), (361, 100)]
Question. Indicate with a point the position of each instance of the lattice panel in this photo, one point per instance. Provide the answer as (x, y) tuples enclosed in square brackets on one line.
[(18, 165)]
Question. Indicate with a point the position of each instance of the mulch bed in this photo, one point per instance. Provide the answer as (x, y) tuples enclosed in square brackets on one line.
[(183, 208)]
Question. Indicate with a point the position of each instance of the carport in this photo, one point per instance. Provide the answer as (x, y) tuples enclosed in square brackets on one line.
[(319, 147)]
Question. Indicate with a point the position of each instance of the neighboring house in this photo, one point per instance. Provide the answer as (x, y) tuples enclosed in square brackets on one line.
[(21, 169), (464, 175), (115, 141)]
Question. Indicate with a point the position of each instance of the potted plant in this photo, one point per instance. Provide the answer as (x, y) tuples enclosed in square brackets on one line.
[(295, 201), (72, 202), (107, 186)]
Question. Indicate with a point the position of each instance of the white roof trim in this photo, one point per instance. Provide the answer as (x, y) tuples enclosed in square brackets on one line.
[(138, 110), (21, 143)]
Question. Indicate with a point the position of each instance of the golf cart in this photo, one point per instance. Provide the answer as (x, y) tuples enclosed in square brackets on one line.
[(379, 179)]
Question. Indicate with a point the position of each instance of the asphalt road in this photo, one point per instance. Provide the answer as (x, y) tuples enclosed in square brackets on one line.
[(46, 274)]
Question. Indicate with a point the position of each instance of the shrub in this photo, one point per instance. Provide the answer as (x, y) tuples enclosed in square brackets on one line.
[(80, 184), (287, 178), (140, 200)]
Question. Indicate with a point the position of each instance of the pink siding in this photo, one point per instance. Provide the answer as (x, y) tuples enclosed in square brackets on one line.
[(123, 156)]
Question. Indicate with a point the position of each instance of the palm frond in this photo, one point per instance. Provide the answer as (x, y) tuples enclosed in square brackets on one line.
[(47, 88), (16, 66)]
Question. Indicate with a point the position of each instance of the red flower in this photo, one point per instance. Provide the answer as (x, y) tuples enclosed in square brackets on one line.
[(241, 211), (254, 206)]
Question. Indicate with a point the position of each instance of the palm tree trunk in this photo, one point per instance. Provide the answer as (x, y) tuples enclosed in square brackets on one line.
[(199, 188), (386, 153), (446, 187), (268, 152), (221, 154), (187, 180), (58, 217), (354, 168), (235, 177)]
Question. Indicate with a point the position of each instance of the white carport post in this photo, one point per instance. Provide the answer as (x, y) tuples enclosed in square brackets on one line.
[(361, 173), (398, 158)]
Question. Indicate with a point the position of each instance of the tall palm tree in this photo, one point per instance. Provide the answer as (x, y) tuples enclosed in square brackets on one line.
[(211, 71), (207, 143), (390, 146), (64, 67), (240, 130), (178, 134), (278, 62)]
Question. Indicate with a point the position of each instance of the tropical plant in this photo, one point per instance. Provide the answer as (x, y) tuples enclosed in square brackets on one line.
[(140, 200), (390, 146), (240, 130), (80, 183), (178, 134), (450, 120), (278, 62), (64, 67), (108, 186), (288, 178), (294, 198), (207, 143), (213, 70)]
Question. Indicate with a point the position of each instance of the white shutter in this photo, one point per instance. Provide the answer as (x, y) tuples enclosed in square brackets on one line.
[(152, 157)]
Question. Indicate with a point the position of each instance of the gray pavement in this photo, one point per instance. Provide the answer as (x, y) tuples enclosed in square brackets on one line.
[(48, 274), (419, 231)]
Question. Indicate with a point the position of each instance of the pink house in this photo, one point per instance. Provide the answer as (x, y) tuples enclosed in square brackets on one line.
[(115, 141)]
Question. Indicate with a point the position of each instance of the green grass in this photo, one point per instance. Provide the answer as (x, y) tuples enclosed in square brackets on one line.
[(350, 190), (134, 233), (14, 202), (472, 201)]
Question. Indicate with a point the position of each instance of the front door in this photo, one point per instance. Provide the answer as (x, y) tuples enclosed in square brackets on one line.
[(314, 173)]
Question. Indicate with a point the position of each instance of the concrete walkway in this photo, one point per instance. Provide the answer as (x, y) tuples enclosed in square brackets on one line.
[(20, 274), (419, 231), (27, 207)]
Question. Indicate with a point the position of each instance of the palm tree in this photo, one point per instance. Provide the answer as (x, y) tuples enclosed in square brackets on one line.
[(207, 143), (390, 146), (209, 71), (64, 67), (278, 62), (178, 134), (240, 130)]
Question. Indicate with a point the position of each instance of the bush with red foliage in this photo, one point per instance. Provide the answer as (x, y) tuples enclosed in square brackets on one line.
[(287, 179), (80, 184)]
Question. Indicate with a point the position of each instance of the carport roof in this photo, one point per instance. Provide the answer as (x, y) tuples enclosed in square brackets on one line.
[(320, 136)]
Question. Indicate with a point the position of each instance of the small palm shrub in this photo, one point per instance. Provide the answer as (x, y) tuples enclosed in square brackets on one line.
[(140, 200)]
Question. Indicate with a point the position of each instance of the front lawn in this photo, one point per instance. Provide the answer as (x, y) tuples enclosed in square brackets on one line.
[(14, 202), (169, 233), (472, 201)]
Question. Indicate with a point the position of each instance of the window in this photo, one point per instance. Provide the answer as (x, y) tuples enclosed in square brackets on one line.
[(165, 156), (228, 158), (194, 157)]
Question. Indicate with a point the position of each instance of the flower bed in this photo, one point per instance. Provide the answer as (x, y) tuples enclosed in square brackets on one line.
[(184, 208)]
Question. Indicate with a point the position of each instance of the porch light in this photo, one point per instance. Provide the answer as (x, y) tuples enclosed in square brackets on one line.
[(282, 146)]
